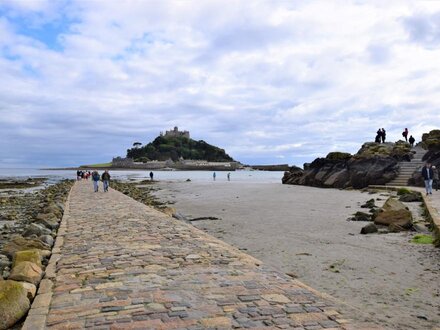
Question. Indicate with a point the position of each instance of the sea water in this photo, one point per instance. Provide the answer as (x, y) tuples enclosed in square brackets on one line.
[(138, 175)]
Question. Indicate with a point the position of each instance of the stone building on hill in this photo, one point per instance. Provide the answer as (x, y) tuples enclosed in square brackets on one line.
[(175, 133)]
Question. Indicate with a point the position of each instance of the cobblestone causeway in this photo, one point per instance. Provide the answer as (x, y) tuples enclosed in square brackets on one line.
[(118, 264)]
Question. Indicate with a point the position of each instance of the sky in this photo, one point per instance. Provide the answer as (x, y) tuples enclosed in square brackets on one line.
[(271, 82)]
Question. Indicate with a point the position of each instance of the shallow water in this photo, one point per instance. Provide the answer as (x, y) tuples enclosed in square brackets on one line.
[(135, 175)]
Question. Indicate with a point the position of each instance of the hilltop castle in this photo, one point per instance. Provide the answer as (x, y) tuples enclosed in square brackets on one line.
[(175, 133)]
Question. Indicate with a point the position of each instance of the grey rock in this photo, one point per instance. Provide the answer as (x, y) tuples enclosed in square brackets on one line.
[(369, 229), (47, 239), (36, 229)]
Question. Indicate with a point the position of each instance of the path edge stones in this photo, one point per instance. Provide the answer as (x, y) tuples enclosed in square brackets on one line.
[(37, 315)]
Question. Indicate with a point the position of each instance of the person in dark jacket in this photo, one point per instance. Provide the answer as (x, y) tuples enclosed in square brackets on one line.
[(411, 140), (378, 136), (95, 179), (383, 135), (105, 177), (405, 134), (428, 176), (151, 176)]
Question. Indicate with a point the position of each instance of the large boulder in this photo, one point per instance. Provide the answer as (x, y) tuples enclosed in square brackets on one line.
[(394, 213), (14, 303), (289, 176), (33, 256), (19, 243), (28, 272), (375, 170), (431, 140)]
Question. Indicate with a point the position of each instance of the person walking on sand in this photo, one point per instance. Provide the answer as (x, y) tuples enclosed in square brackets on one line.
[(213, 176), (405, 134), (383, 135), (428, 176), (229, 176), (151, 176), (411, 140), (435, 177), (105, 177), (95, 179)]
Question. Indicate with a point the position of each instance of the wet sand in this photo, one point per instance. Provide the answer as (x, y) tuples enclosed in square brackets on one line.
[(304, 232)]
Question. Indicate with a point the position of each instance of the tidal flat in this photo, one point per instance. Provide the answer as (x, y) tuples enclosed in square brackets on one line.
[(304, 232)]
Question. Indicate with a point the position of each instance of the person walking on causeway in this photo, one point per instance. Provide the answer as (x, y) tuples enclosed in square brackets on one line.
[(95, 179), (405, 134), (105, 177), (428, 176)]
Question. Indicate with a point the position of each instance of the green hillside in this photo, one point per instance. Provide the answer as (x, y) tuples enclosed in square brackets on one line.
[(164, 148)]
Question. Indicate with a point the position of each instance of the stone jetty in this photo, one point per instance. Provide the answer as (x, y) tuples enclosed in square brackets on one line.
[(119, 264)]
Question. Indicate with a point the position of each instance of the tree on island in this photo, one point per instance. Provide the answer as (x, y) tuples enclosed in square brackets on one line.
[(164, 148), (137, 144)]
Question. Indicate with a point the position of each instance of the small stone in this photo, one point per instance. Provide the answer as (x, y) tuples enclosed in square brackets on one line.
[(192, 257), (277, 298)]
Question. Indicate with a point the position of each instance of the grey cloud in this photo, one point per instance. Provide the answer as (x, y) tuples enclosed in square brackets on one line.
[(423, 29)]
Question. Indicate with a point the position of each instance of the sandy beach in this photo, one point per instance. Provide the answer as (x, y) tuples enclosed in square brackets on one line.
[(304, 231)]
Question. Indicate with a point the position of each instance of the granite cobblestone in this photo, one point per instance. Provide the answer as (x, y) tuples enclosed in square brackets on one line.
[(124, 265)]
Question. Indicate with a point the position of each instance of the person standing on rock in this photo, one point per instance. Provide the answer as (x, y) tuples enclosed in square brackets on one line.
[(405, 134), (105, 180), (383, 135), (428, 176), (411, 140), (435, 178), (378, 136), (95, 179)]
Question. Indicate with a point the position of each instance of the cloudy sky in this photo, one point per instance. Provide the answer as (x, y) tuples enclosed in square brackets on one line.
[(268, 81)]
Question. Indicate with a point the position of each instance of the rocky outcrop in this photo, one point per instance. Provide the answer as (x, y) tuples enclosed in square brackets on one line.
[(373, 164)]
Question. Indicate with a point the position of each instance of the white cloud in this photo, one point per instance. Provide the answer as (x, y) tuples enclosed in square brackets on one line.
[(261, 79)]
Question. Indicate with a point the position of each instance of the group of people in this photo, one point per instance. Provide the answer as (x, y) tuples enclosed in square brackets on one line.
[(82, 175), (411, 140), (105, 178), (381, 136), (228, 176), (430, 175)]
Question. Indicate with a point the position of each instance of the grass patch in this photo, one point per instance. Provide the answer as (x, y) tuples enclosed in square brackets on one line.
[(410, 291), (98, 165), (423, 239), (403, 191)]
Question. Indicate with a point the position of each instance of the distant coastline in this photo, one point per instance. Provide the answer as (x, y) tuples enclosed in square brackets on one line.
[(278, 167)]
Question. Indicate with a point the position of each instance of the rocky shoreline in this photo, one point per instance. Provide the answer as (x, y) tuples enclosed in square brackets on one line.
[(29, 221)]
